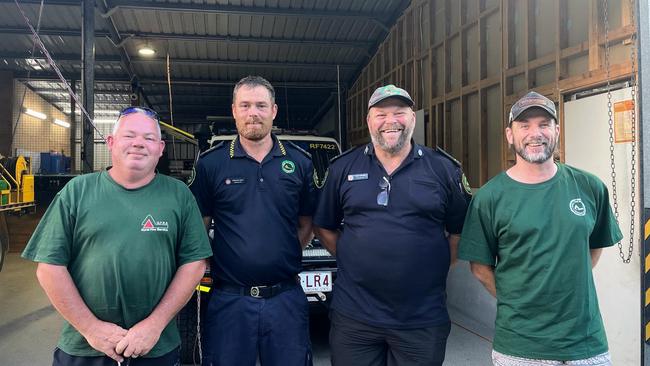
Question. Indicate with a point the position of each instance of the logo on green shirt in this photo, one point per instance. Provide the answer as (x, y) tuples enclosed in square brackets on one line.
[(150, 224), (577, 207)]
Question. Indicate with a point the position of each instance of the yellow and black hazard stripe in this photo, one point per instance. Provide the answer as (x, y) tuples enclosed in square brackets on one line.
[(646, 275)]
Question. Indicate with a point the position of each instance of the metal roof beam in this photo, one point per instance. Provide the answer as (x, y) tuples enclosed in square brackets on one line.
[(187, 61), (276, 84), (57, 57), (98, 103), (51, 76), (53, 91), (226, 108), (192, 37), (177, 97), (99, 78), (116, 5), (125, 60), (52, 32), (49, 2), (271, 64)]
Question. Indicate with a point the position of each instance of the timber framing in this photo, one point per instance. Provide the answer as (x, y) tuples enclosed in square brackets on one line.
[(466, 61)]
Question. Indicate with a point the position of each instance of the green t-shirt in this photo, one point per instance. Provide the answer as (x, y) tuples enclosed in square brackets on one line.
[(122, 248), (538, 236)]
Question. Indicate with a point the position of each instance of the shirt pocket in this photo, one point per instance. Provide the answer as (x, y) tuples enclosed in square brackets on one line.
[(232, 194), (288, 188), (427, 196)]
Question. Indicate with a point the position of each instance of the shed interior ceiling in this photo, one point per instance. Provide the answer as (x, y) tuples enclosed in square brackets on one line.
[(297, 45)]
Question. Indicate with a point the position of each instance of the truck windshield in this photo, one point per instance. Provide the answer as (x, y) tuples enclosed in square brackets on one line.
[(321, 153)]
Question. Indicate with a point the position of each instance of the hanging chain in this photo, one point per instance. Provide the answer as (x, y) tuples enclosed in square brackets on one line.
[(198, 327), (633, 85), (610, 113)]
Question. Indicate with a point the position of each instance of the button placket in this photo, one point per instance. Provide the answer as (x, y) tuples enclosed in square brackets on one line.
[(261, 186)]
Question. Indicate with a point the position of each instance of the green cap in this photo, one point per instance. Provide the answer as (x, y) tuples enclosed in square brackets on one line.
[(389, 91)]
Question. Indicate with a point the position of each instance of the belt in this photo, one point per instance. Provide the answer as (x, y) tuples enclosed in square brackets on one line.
[(259, 292)]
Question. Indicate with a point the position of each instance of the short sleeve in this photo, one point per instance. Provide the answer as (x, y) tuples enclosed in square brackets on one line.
[(202, 189), (51, 242), (606, 230), (459, 198), (477, 241), (329, 212), (194, 243)]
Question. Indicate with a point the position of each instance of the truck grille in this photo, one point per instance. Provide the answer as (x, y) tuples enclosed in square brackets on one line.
[(316, 253)]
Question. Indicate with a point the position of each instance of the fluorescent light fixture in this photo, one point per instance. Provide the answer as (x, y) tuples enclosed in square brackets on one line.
[(35, 114), (146, 51), (100, 111), (62, 123), (107, 111), (34, 63), (104, 121)]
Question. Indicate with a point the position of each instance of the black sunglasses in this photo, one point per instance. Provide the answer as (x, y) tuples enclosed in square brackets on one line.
[(382, 197), (144, 110)]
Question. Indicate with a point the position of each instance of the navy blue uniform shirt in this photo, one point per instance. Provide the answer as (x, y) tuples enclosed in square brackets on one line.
[(255, 208), (393, 260)]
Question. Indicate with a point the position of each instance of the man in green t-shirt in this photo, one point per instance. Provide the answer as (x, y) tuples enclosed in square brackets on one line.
[(119, 253), (533, 234)]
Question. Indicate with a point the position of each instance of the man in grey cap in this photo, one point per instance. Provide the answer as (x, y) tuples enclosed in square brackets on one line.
[(533, 234), (386, 210)]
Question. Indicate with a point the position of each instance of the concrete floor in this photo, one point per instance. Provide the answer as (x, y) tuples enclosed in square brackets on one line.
[(29, 326)]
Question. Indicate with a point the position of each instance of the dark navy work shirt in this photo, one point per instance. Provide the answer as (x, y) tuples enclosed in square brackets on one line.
[(255, 208), (393, 260)]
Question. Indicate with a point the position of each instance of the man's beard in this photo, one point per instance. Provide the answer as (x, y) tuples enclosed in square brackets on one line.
[(402, 141), (254, 133), (540, 157)]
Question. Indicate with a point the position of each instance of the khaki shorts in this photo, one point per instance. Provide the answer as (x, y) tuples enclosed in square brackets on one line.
[(499, 359)]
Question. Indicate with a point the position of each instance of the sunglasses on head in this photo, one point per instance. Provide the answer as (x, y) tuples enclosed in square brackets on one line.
[(144, 110)]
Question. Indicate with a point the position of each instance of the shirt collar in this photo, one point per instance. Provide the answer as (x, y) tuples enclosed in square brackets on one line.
[(237, 151), (416, 150)]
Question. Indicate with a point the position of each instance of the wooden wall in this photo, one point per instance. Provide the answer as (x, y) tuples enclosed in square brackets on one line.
[(466, 61)]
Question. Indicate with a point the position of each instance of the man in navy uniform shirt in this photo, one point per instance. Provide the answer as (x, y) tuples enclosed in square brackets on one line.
[(259, 192), (402, 207)]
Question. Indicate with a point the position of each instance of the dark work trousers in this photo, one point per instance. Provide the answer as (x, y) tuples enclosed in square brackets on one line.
[(61, 358), (356, 343), (237, 329)]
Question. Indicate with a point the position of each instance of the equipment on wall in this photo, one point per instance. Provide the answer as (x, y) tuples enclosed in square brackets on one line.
[(16, 185)]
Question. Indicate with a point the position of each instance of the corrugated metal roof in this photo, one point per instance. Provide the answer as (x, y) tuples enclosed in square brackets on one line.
[(290, 42)]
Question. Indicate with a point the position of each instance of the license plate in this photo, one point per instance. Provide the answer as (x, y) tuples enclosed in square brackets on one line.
[(316, 281)]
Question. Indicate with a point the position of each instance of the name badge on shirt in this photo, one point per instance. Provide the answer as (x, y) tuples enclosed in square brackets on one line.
[(353, 177), (230, 181)]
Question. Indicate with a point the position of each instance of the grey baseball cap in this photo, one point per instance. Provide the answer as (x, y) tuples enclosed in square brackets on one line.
[(531, 100), (389, 91)]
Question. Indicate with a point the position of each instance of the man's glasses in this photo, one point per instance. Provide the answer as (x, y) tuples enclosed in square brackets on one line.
[(382, 197), (144, 110)]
